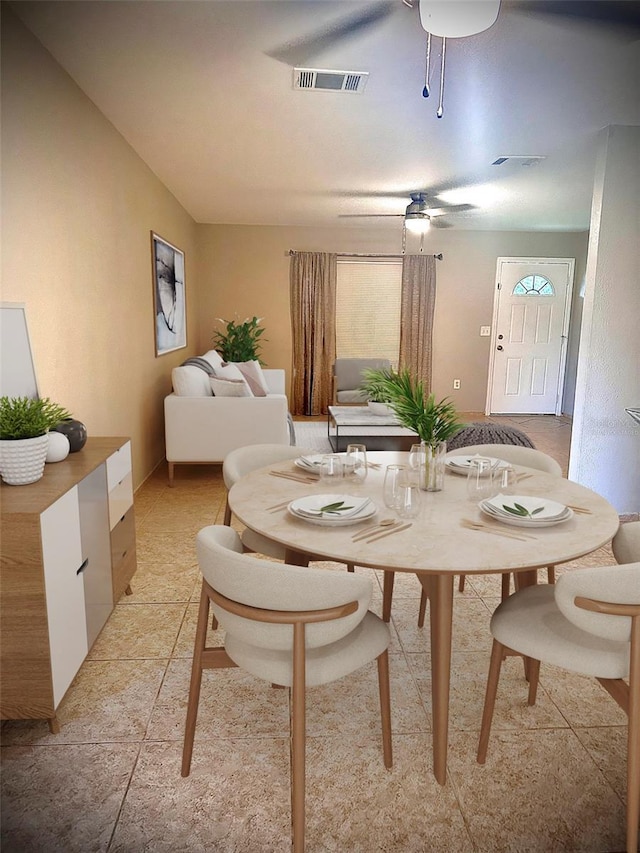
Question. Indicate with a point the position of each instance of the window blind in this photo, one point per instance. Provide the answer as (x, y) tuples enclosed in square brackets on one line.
[(368, 293)]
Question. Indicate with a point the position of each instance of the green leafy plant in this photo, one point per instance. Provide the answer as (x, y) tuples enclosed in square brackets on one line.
[(24, 417), (335, 507), (522, 511), (433, 421), (374, 383), (239, 341)]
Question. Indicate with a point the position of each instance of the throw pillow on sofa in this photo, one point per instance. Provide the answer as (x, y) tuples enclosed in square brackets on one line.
[(190, 381), (229, 387), (214, 358), (253, 375)]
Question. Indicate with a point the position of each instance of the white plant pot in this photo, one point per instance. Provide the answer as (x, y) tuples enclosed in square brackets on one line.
[(379, 408), (58, 446), (22, 460)]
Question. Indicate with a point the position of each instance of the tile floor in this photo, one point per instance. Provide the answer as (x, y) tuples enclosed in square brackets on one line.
[(110, 780)]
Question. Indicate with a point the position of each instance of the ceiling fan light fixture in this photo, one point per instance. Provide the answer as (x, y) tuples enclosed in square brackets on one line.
[(458, 18), (417, 223)]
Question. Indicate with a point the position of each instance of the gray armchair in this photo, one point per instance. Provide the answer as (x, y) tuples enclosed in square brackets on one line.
[(347, 378)]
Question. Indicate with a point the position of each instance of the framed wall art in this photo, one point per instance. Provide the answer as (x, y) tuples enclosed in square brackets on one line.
[(168, 295)]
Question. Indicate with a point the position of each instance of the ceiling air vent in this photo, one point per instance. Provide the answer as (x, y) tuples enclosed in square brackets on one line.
[(523, 159), (322, 80)]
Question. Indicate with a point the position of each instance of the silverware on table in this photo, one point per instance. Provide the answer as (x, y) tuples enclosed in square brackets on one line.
[(388, 532), (278, 506), (383, 524), (485, 528), (298, 478)]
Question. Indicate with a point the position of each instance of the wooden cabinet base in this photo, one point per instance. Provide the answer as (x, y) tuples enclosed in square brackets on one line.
[(30, 650)]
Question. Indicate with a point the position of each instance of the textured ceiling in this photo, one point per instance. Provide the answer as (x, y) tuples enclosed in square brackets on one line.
[(195, 89)]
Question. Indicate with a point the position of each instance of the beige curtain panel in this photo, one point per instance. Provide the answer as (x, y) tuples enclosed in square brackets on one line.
[(416, 323), (312, 280)]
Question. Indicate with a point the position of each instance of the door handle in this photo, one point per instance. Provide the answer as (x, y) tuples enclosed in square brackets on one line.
[(500, 347)]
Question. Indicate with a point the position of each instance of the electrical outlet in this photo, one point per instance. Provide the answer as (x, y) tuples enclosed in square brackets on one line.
[(485, 331), (456, 384)]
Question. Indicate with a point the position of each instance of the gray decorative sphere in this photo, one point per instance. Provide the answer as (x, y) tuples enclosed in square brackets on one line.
[(75, 431)]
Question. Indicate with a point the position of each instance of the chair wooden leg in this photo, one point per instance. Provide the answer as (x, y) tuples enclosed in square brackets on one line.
[(534, 677), (298, 738), (423, 609), (633, 740), (551, 574), (506, 585), (227, 513), (385, 707), (196, 680), (497, 653), (461, 583), (387, 595), (351, 567)]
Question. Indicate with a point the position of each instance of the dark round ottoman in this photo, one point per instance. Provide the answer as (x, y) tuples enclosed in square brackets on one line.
[(482, 432)]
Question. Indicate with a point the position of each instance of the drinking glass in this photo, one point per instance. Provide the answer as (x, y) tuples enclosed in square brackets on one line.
[(480, 479), (504, 480), (417, 461), (331, 468), (390, 489), (408, 498), (355, 462)]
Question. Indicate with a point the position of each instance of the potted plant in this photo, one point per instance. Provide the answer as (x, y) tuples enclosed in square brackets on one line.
[(240, 341), (435, 422), (24, 441), (374, 386)]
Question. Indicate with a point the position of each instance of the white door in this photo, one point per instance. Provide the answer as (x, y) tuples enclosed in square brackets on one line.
[(529, 338)]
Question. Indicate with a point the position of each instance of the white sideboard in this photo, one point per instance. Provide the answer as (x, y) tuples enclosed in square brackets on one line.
[(68, 553)]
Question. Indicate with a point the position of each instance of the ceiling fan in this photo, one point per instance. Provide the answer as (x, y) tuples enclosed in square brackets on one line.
[(419, 216), (439, 15)]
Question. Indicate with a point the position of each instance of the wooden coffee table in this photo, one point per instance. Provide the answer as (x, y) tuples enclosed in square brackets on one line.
[(357, 425)]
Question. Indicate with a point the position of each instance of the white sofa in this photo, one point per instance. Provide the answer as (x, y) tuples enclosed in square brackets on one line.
[(202, 428)]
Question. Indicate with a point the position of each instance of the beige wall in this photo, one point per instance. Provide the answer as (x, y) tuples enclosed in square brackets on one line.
[(78, 206), (245, 271)]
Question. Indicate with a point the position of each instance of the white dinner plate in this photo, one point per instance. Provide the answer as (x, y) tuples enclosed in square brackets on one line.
[(461, 464), (311, 462), (548, 512), (309, 508)]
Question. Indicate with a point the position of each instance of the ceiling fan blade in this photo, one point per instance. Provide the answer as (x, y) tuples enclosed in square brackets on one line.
[(450, 208), (370, 215), (436, 222), (304, 50), (620, 13)]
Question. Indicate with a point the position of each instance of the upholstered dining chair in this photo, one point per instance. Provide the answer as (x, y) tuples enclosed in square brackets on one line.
[(242, 461), (528, 457), (291, 626), (588, 623), (517, 455), (626, 543)]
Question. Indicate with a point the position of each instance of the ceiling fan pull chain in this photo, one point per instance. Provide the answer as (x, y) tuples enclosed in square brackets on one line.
[(422, 242), (426, 91), (404, 237), (440, 110)]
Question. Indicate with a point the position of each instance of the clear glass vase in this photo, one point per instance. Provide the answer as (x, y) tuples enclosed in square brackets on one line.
[(432, 466)]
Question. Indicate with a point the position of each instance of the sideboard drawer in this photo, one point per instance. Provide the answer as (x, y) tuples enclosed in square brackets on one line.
[(123, 553), (118, 465), (120, 499)]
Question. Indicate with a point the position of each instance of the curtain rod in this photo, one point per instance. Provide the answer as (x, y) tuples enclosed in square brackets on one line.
[(438, 257)]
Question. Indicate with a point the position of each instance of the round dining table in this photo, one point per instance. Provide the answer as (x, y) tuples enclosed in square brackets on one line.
[(436, 546)]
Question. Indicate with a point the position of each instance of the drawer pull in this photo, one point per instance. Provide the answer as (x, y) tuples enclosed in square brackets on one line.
[(122, 519), (124, 554), (83, 566)]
